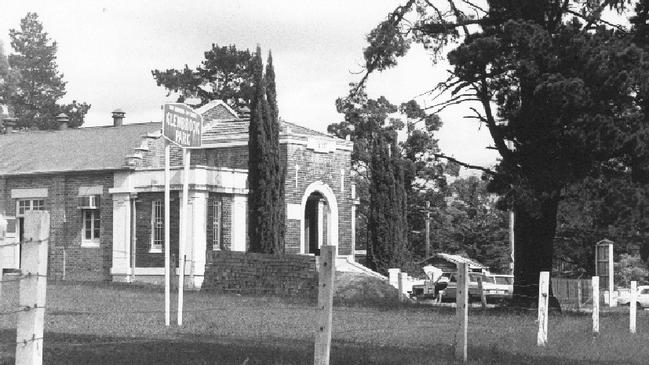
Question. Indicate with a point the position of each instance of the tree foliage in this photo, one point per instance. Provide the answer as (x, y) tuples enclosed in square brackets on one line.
[(611, 205), (470, 224), (266, 168), (630, 268), (384, 169), (7, 78), (32, 85), (387, 217), (225, 74), (569, 91)]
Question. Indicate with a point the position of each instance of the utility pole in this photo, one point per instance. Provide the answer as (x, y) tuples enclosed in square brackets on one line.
[(511, 236), (510, 145), (427, 229)]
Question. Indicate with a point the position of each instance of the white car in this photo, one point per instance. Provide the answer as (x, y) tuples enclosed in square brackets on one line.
[(642, 298)]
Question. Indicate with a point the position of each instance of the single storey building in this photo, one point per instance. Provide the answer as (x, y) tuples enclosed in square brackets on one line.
[(104, 189)]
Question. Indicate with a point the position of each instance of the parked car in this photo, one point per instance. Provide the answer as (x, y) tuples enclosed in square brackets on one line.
[(504, 285), (642, 297), (492, 291)]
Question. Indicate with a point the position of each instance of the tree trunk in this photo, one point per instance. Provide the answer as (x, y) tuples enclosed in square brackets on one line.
[(534, 233)]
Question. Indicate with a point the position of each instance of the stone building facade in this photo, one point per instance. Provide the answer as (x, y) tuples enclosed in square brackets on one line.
[(104, 189)]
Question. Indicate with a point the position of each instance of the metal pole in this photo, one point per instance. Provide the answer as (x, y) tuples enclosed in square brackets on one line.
[(612, 301), (167, 241), (427, 229), (183, 233), (133, 238)]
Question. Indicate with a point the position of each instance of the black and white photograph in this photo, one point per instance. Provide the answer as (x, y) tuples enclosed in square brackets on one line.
[(320, 182)]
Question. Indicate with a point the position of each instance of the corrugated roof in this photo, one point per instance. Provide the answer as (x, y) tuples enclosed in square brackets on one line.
[(78, 149)]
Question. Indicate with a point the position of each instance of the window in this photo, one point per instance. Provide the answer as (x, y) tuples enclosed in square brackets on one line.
[(25, 205), (157, 226), (91, 225), (216, 225)]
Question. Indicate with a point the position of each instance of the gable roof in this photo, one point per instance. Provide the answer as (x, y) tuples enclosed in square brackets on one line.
[(216, 110), (75, 149), (453, 259)]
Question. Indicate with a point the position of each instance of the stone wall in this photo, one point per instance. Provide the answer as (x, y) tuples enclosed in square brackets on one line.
[(261, 274)]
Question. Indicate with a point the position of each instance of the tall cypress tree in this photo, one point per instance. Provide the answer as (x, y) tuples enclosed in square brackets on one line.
[(266, 211), (278, 167), (387, 222)]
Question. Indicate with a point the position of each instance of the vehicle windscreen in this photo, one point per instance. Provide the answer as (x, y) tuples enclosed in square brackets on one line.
[(504, 280), (489, 279)]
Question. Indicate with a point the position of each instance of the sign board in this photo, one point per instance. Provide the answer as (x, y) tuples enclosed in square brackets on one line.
[(182, 125)]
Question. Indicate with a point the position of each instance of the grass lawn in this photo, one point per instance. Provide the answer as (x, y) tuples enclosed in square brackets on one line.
[(119, 324)]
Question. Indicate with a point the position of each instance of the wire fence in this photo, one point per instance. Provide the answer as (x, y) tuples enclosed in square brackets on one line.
[(94, 317), (105, 321)]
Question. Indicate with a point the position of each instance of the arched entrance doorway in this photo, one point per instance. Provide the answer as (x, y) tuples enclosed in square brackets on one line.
[(320, 221)]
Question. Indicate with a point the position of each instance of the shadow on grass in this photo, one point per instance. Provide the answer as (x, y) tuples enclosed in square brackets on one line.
[(65, 348)]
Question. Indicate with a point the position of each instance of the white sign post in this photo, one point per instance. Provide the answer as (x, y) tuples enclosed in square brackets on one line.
[(544, 283), (633, 298), (595, 305), (183, 127)]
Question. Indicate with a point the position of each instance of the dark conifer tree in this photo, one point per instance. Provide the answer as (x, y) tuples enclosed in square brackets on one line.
[(265, 171), (278, 167), (36, 84), (387, 223)]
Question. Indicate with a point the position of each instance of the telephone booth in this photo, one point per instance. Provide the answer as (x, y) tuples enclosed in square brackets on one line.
[(604, 269)]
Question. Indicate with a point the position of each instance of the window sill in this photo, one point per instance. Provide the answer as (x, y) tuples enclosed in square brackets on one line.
[(155, 250), (90, 244)]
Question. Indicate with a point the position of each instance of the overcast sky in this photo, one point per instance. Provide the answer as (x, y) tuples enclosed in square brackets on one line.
[(107, 49)]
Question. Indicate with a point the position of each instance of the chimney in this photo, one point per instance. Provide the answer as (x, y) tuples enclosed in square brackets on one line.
[(118, 117), (62, 120)]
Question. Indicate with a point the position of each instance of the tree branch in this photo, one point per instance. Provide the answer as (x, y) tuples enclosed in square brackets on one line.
[(395, 18), (496, 135), (459, 16), (464, 164), (598, 20)]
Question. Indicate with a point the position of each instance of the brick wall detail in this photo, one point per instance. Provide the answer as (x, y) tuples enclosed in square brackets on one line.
[(324, 167), (66, 221), (261, 274), (144, 210)]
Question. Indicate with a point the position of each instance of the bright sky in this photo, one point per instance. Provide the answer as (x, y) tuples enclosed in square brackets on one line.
[(107, 49)]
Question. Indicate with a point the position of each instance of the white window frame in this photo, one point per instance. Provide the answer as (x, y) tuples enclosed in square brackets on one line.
[(93, 241), (217, 223), (30, 206), (157, 226)]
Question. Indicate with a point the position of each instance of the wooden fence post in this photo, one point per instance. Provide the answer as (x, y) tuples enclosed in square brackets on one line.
[(326, 277), (595, 305), (544, 282), (462, 311), (633, 306), (33, 283), (483, 299)]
